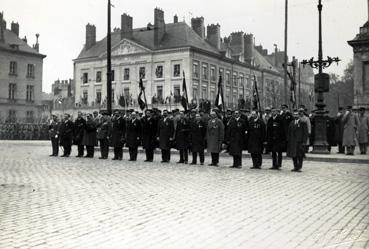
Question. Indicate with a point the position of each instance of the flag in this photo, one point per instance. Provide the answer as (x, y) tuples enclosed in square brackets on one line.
[(219, 100), (141, 96), (255, 95), (184, 99), (292, 90)]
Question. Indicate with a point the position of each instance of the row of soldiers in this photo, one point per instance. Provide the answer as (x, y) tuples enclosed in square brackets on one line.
[(24, 131), (187, 132)]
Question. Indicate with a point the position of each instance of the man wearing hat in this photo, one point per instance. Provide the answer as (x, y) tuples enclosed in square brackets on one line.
[(149, 131), (79, 127), (304, 118), (214, 137), (118, 135), (276, 137), (256, 137), (66, 135), (165, 136), (339, 130), (133, 136), (103, 135), (89, 136), (351, 125), (54, 135), (363, 131), (286, 120)]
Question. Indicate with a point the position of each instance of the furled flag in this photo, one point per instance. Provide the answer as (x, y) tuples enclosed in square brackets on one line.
[(141, 96), (219, 100), (255, 96), (184, 100), (292, 90)]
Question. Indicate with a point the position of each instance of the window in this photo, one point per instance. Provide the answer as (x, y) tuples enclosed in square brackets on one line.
[(126, 74), (176, 70), (142, 73), (228, 78), (30, 93), (212, 95), (242, 80), (85, 78), (177, 94), (159, 72), (196, 70), (30, 116), (228, 95), (366, 76), (98, 97), (12, 89), (30, 71), (98, 76), (12, 116), (195, 93), (213, 76), (204, 93), (13, 68), (112, 75), (234, 100), (235, 79), (85, 97), (221, 73), (159, 93), (205, 71), (126, 93)]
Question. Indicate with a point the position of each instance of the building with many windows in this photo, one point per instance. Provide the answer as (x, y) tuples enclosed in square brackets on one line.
[(20, 76), (162, 54)]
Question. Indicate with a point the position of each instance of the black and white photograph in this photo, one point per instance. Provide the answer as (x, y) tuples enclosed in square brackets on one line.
[(184, 124)]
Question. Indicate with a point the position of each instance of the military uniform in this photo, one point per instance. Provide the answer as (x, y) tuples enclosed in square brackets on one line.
[(149, 131), (133, 137), (236, 139), (165, 134), (256, 138), (54, 137), (118, 136), (79, 128)]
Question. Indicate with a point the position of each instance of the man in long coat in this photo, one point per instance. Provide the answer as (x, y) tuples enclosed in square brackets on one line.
[(103, 135), (256, 137), (363, 131), (149, 131), (54, 135), (339, 130), (236, 138), (296, 141), (286, 120), (276, 138), (197, 138), (133, 136), (214, 137), (118, 135), (351, 125), (182, 138), (79, 128), (89, 136), (66, 135), (165, 136)]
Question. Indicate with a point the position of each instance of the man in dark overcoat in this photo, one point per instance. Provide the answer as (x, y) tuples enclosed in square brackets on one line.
[(286, 117), (89, 136), (276, 138), (79, 128), (296, 141), (256, 138), (118, 135), (66, 135), (133, 136), (214, 137), (103, 135), (197, 138), (165, 136), (54, 135), (236, 138), (182, 138), (339, 130), (149, 131)]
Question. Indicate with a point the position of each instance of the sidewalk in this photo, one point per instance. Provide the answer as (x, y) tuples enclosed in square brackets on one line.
[(332, 157)]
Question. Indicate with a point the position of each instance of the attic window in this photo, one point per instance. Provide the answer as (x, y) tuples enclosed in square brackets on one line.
[(14, 46)]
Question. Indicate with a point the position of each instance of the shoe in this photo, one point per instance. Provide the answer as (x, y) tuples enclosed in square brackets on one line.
[(53, 155), (192, 163), (120, 159), (185, 162), (201, 163), (114, 159), (274, 168), (87, 156), (103, 157), (79, 156), (210, 164), (63, 155), (235, 167), (254, 167), (296, 170), (180, 162)]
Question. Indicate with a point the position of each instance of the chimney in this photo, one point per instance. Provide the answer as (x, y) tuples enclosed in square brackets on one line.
[(15, 28), (237, 43), (198, 26), (37, 46), (25, 39), (126, 28), (175, 19), (249, 47), (2, 27), (159, 26), (90, 36), (213, 35)]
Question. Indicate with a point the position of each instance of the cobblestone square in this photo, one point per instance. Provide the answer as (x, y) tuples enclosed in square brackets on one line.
[(90, 203)]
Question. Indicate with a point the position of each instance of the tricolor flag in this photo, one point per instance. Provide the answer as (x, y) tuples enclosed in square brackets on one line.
[(219, 100), (141, 96), (184, 101)]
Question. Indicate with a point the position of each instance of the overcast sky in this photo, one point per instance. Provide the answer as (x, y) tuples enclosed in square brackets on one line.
[(61, 24)]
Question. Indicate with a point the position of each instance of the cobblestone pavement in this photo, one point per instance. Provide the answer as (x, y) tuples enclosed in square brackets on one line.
[(89, 203)]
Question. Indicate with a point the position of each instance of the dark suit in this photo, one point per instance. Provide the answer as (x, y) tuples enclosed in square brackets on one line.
[(276, 139), (182, 139), (236, 138), (133, 137), (165, 133), (197, 140), (149, 132), (79, 128), (103, 135), (54, 136), (256, 138), (89, 137), (66, 136), (296, 140), (118, 136)]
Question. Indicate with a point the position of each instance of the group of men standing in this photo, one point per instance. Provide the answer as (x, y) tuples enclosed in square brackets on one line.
[(276, 131)]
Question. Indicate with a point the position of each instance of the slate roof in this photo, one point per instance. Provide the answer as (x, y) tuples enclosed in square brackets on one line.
[(12, 39)]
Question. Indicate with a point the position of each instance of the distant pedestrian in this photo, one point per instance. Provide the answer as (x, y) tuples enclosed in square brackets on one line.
[(363, 131), (339, 125), (54, 135), (351, 125)]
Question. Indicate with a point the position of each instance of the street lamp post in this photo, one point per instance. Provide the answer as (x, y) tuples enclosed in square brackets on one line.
[(321, 85), (108, 69)]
